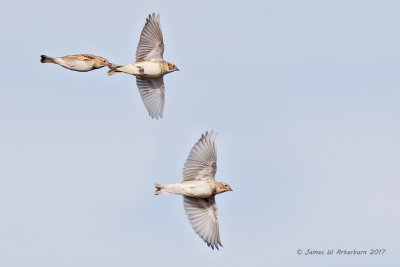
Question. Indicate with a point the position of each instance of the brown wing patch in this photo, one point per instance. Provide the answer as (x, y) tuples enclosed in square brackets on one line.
[(88, 56)]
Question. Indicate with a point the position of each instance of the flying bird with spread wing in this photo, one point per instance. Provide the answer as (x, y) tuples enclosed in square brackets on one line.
[(81, 62), (199, 189), (149, 67)]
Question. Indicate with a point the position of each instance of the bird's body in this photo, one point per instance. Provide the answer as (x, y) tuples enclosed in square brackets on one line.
[(144, 69), (195, 188), (199, 189), (81, 62), (149, 67)]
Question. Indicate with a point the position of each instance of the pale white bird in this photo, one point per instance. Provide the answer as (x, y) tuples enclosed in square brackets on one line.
[(199, 189), (149, 67), (81, 62)]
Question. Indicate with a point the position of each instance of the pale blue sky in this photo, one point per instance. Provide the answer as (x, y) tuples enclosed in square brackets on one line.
[(304, 96)]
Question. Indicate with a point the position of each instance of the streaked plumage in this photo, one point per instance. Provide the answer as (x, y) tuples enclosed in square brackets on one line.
[(199, 189), (81, 62), (149, 67)]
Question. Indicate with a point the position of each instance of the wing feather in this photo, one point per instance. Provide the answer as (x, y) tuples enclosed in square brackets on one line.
[(202, 161), (202, 214), (151, 43), (152, 92)]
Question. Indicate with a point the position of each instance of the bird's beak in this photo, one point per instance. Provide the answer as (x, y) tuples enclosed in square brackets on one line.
[(109, 64), (178, 69), (230, 189)]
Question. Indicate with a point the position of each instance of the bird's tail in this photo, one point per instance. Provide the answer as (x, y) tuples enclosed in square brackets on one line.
[(160, 189), (113, 69), (46, 59)]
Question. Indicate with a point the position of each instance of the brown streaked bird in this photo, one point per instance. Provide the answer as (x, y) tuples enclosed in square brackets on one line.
[(199, 189), (149, 67), (81, 62)]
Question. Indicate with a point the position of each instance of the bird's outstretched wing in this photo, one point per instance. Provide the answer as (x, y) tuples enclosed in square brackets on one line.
[(151, 44), (202, 161), (202, 214), (152, 92)]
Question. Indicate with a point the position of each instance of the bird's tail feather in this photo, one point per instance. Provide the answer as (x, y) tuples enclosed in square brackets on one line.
[(113, 69), (160, 189), (46, 59)]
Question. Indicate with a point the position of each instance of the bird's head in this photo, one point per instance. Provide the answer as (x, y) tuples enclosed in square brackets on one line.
[(222, 187), (171, 67), (101, 62)]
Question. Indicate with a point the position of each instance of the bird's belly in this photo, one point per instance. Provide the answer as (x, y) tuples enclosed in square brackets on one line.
[(197, 189), (146, 69), (78, 65)]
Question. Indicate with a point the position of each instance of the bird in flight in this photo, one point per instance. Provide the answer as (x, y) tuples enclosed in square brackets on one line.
[(199, 189), (149, 67), (81, 62)]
